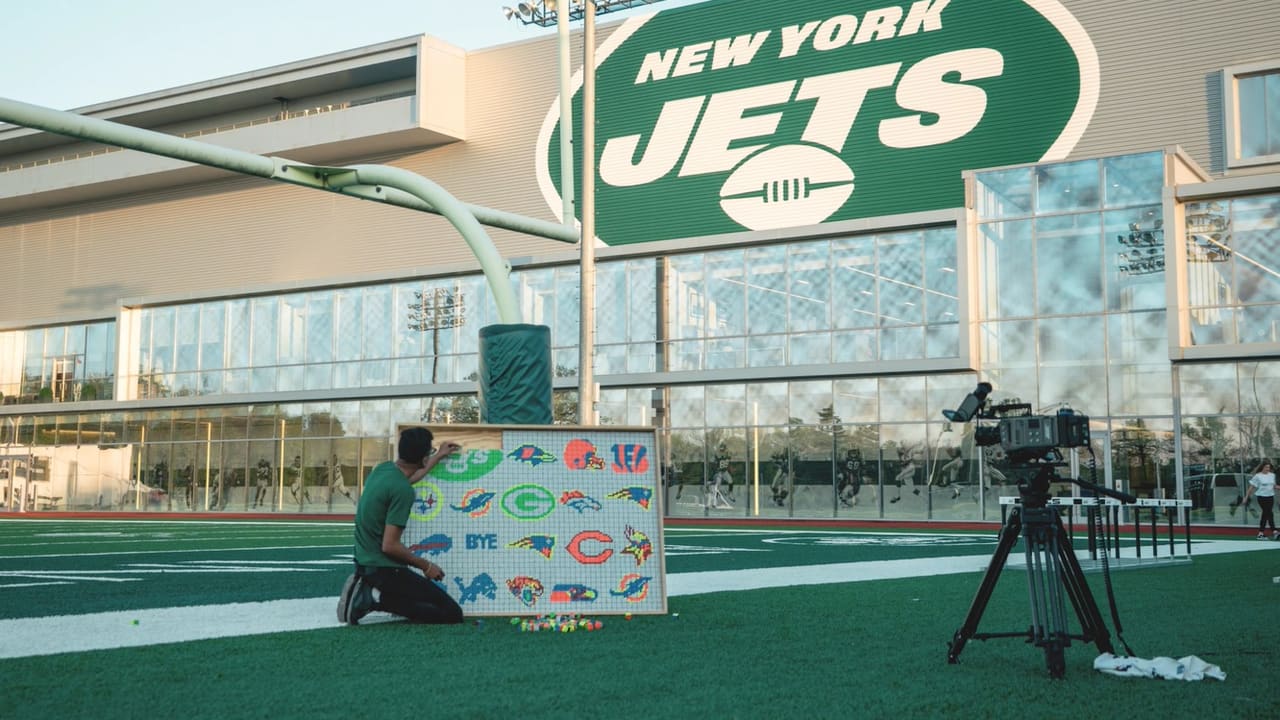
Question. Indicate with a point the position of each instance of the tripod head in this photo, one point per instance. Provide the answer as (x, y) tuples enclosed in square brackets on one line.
[(1035, 489)]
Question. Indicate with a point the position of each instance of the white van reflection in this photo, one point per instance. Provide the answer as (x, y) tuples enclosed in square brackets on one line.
[(1222, 491)]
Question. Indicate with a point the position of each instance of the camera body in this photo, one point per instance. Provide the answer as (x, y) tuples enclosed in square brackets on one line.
[(1020, 433), (1041, 433)]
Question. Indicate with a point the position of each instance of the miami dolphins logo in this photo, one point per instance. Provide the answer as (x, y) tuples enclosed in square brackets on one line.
[(475, 503), (633, 587), (526, 589)]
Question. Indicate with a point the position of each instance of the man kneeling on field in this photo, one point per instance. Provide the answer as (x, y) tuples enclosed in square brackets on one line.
[(382, 559)]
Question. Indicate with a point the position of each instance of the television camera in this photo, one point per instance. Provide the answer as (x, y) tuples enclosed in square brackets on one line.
[(1053, 572), (1023, 436)]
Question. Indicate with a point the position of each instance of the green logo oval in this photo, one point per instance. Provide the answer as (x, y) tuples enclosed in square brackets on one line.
[(758, 115), (527, 502), (467, 466)]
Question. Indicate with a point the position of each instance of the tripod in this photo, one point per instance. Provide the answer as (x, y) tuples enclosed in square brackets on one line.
[(1053, 575)]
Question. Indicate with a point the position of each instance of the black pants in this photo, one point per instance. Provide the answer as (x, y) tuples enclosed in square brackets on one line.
[(410, 595), (1267, 504)]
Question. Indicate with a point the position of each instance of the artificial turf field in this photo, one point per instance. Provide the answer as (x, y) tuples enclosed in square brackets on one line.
[(236, 619)]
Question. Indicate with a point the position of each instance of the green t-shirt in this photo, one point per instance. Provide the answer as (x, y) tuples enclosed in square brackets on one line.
[(386, 500)]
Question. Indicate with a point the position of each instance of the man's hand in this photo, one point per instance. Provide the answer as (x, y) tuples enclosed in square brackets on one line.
[(433, 571), (448, 447)]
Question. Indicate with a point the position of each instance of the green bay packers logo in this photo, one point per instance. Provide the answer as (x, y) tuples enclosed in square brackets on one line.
[(744, 115), (527, 502)]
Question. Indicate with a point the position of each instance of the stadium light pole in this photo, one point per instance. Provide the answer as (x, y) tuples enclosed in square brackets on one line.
[(544, 13)]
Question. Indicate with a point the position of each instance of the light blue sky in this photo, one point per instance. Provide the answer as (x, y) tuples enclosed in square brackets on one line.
[(69, 54)]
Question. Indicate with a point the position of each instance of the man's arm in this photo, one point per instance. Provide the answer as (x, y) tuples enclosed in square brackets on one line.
[(392, 544), (394, 548)]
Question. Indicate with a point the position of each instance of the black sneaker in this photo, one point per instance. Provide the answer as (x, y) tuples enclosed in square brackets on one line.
[(355, 601)]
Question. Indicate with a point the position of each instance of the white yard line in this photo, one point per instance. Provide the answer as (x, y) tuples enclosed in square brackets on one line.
[(24, 637)]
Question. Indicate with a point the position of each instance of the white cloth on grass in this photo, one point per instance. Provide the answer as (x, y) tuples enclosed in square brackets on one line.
[(1187, 668)]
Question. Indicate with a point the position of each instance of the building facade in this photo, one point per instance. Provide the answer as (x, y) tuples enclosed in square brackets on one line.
[(819, 226)]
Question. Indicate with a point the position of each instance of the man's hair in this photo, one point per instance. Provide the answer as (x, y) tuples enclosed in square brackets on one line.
[(415, 443)]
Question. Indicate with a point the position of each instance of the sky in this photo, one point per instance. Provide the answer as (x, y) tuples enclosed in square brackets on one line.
[(69, 54)]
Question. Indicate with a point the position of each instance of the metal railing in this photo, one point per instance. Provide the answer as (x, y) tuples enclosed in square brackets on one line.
[(276, 117)]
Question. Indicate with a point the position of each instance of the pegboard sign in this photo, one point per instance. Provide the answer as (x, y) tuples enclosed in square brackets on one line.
[(531, 520)]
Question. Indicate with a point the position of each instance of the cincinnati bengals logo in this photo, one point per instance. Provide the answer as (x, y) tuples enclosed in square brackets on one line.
[(630, 458)]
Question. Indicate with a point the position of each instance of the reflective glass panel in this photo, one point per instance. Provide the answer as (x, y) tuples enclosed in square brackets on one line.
[(1068, 264), (1208, 388), (1066, 187)]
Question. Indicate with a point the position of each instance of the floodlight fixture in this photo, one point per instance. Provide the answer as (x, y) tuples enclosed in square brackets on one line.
[(546, 13)]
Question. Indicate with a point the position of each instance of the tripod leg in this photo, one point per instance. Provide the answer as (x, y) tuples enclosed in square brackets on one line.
[(1044, 587), (1091, 625), (1008, 538)]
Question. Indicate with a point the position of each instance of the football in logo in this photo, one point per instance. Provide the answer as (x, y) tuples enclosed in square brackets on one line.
[(787, 186)]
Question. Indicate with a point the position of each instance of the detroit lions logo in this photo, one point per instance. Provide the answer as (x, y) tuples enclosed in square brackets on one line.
[(480, 585)]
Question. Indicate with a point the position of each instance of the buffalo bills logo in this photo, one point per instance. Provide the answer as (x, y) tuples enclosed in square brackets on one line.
[(432, 545)]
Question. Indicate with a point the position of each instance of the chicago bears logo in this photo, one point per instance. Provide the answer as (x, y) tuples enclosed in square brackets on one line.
[(630, 458)]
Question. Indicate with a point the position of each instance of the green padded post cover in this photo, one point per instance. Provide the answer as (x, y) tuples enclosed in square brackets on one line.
[(515, 374)]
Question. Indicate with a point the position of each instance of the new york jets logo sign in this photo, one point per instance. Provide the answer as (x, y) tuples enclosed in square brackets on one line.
[(736, 115)]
